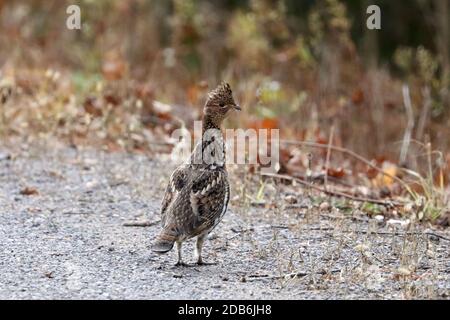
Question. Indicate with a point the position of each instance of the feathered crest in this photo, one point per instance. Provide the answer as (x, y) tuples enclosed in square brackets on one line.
[(222, 89)]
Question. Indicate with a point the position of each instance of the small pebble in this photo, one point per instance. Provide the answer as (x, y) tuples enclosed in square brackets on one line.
[(290, 199), (401, 223), (379, 218), (403, 271), (325, 206), (408, 208), (5, 156)]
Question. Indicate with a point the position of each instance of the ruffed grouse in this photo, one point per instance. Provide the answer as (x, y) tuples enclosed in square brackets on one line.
[(197, 195)]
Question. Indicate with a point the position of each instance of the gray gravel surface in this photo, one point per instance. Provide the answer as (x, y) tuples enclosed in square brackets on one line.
[(69, 241)]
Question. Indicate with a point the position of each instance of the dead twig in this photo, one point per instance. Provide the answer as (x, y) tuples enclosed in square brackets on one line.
[(409, 126), (388, 233), (279, 227), (327, 162), (424, 113), (296, 206), (333, 193), (349, 153), (437, 236), (299, 274), (320, 229), (140, 223), (320, 178), (431, 234)]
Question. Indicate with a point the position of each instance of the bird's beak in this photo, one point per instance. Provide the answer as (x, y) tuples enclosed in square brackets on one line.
[(237, 107)]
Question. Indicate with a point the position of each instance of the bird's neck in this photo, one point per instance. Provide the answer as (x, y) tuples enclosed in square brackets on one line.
[(210, 122), (210, 151)]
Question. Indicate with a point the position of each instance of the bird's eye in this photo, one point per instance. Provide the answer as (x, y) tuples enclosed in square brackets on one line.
[(221, 104)]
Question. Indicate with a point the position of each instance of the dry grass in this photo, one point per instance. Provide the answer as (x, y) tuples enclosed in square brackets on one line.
[(93, 88)]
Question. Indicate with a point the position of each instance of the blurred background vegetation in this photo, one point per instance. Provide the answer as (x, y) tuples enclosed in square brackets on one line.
[(303, 66)]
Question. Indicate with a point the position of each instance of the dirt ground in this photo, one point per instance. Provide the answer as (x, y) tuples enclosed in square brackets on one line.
[(65, 233)]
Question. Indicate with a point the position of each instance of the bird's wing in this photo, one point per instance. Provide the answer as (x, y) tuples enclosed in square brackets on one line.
[(209, 198), (177, 181)]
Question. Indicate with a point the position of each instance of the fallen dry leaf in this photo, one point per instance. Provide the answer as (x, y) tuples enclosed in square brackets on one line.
[(336, 172), (92, 106), (358, 96), (114, 66), (29, 191), (383, 180)]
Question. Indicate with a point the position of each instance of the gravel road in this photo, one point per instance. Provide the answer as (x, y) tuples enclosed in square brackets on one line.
[(63, 235)]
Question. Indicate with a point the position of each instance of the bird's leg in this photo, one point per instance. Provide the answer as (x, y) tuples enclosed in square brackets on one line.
[(180, 260), (199, 246)]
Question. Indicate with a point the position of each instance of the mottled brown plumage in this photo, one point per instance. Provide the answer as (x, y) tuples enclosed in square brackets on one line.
[(197, 195)]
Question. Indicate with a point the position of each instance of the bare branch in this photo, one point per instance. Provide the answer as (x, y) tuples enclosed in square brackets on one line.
[(327, 162), (350, 153), (424, 113), (140, 223), (409, 126), (333, 193)]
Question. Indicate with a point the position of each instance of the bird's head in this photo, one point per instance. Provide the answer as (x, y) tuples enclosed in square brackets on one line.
[(220, 101)]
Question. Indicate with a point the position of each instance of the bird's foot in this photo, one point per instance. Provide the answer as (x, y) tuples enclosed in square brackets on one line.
[(182, 264), (203, 263)]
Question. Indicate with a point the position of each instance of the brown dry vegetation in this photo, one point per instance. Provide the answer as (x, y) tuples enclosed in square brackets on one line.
[(304, 73)]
